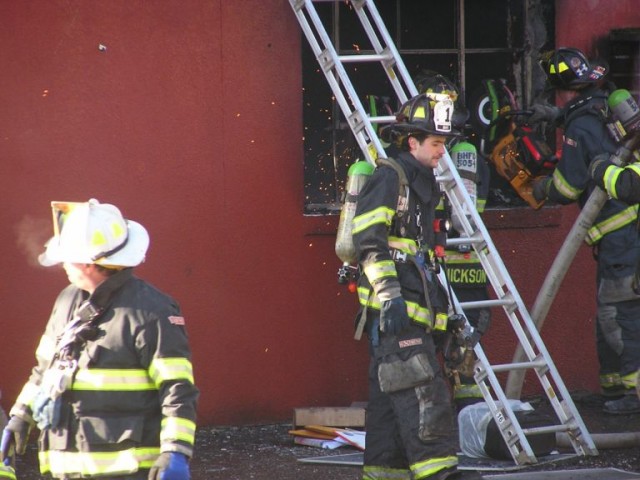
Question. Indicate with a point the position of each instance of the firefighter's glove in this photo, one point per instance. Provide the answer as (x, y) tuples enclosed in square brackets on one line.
[(480, 327), (456, 323), (598, 167), (473, 339), (170, 466), (15, 437), (543, 113), (393, 316), (541, 188)]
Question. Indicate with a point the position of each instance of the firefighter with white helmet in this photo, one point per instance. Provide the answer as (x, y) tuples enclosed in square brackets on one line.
[(113, 391), (409, 420)]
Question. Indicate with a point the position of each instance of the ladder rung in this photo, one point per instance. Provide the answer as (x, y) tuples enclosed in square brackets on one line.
[(373, 57), (447, 181), (385, 119), (547, 429), (506, 367), (446, 178), (505, 302), (473, 239)]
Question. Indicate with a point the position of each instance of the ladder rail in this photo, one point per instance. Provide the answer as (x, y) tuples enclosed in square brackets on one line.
[(531, 335), (505, 418), (509, 427), (474, 232), (389, 68), (358, 119)]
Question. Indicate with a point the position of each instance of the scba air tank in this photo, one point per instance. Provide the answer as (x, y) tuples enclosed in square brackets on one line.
[(357, 176), (465, 157), (625, 111)]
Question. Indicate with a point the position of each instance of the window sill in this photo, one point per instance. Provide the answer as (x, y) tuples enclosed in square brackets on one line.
[(525, 217), (494, 219)]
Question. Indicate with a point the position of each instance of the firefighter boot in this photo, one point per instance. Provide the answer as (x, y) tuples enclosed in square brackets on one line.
[(611, 386), (629, 403), (455, 474), (614, 392)]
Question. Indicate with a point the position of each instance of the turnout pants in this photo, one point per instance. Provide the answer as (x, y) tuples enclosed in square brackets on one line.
[(618, 316), (410, 430)]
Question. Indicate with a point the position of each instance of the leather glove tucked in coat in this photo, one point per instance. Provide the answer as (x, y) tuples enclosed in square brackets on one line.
[(541, 188), (598, 167), (170, 466), (393, 316)]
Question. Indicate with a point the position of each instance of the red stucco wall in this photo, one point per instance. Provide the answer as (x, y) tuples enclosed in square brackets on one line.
[(585, 24), (190, 121)]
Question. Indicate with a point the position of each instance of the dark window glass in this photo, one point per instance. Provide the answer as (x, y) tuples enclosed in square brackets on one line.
[(427, 25), (494, 24)]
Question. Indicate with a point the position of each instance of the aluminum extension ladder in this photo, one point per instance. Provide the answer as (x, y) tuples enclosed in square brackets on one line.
[(475, 233)]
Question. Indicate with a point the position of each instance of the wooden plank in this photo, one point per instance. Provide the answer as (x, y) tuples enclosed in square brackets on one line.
[(308, 433), (329, 416)]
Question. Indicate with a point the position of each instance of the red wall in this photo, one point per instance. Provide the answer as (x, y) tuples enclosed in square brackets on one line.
[(190, 121), (584, 24)]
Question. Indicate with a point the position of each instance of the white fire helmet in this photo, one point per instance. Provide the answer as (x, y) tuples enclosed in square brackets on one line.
[(94, 232)]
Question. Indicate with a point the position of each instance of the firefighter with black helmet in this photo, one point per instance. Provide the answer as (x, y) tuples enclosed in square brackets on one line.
[(409, 419), (579, 84), (113, 392)]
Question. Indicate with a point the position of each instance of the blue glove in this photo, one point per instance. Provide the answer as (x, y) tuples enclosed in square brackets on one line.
[(394, 317), (170, 466), (14, 437), (7, 472), (7, 447)]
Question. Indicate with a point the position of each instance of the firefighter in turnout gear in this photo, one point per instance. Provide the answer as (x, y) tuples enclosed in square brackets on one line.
[(409, 419), (614, 234), (464, 270), (113, 392), (463, 267)]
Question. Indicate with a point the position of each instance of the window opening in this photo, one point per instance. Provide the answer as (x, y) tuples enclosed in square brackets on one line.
[(466, 40)]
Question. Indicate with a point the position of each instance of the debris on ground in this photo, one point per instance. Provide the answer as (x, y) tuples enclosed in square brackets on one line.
[(328, 437), (267, 452)]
